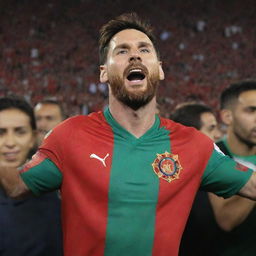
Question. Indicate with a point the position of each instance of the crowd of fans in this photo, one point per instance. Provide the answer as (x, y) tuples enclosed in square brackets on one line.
[(49, 49)]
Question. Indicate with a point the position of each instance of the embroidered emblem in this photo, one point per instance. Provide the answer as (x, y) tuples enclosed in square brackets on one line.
[(167, 166), (99, 158), (241, 167)]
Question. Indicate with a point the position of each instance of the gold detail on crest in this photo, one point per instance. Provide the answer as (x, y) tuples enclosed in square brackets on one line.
[(167, 166)]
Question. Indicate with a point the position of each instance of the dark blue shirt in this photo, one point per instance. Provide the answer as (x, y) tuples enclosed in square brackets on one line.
[(30, 227)]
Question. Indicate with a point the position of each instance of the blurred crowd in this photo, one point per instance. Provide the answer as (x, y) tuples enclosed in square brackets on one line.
[(49, 49)]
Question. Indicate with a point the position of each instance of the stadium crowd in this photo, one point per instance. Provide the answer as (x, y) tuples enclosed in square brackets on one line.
[(50, 49), (49, 55)]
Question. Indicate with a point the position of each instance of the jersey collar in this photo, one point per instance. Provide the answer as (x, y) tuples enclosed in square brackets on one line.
[(118, 129)]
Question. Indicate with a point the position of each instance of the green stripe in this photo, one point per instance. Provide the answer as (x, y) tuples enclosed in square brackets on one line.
[(222, 177), (133, 192), (43, 177)]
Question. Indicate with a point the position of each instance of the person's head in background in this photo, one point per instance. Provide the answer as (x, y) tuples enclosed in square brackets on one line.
[(17, 131), (238, 113), (199, 116), (48, 114)]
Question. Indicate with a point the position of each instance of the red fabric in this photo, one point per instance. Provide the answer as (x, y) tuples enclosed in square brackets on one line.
[(36, 159), (90, 211), (86, 183), (176, 198)]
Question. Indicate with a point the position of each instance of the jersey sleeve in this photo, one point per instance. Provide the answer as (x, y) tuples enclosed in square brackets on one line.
[(41, 175), (223, 176)]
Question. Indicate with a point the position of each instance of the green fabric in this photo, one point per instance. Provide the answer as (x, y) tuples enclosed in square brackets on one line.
[(249, 159), (133, 191), (220, 178), (43, 177)]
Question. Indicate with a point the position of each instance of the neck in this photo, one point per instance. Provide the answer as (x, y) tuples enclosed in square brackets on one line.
[(136, 122), (238, 147)]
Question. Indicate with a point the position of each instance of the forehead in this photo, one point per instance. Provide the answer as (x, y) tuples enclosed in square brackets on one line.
[(129, 36), (208, 118), (13, 118), (247, 98)]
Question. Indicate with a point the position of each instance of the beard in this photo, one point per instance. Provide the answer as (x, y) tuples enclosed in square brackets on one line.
[(136, 99), (245, 138)]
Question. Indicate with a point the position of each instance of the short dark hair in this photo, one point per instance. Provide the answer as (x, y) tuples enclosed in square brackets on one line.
[(231, 93), (189, 114), (122, 22), (14, 102), (53, 102)]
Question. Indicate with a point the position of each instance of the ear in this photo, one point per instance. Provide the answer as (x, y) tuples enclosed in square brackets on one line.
[(226, 116), (103, 74), (161, 72)]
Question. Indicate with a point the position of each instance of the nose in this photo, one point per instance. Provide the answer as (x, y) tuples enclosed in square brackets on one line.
[(217, 134), (10, 140), (41, 123), (135, 57)]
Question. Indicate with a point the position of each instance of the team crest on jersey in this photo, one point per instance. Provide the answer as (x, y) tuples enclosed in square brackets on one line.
[(167, 166), (241, 167)]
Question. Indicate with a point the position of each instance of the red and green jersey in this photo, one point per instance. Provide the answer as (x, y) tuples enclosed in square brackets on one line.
[(123, 195)]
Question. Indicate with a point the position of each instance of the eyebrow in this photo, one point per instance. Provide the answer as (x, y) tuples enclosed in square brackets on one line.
[(15, 128), (251, 107), (20, 128), (122, 46), (145, 44), (127, 46)]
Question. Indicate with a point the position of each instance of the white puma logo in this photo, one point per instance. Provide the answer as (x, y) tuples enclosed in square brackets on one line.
[(101, 159)]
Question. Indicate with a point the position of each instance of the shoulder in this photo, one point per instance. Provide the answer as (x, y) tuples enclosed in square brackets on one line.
[(187, 136), (75, 125), (174, 126), (178, 129), (95, 118)]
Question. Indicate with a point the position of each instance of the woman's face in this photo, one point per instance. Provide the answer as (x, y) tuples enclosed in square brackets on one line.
[(16, 137)]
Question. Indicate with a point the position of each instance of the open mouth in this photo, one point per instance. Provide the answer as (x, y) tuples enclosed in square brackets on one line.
[(135, 75)]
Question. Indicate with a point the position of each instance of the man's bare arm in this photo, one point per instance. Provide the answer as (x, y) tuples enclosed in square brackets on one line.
[(12, 182), (249, 189), (230, 212)]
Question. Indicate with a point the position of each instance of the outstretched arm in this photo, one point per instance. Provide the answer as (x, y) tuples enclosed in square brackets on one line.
[(230, 212), (40, 175), (249, 189), (12, 182)]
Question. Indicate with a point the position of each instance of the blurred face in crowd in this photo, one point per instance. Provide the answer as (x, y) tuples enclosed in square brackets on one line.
[(16, 137), (47, 117), (243, 118), (132, 68), (210, 126)]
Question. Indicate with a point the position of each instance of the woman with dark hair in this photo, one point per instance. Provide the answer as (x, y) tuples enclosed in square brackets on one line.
[(31, 226)]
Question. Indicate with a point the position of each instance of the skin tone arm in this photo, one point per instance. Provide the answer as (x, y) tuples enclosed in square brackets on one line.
[(230, 212), (12, 183), (249, 189), (233, 211)]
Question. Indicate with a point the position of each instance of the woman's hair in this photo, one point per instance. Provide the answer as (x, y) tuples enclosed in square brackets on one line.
[(19, 103)]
